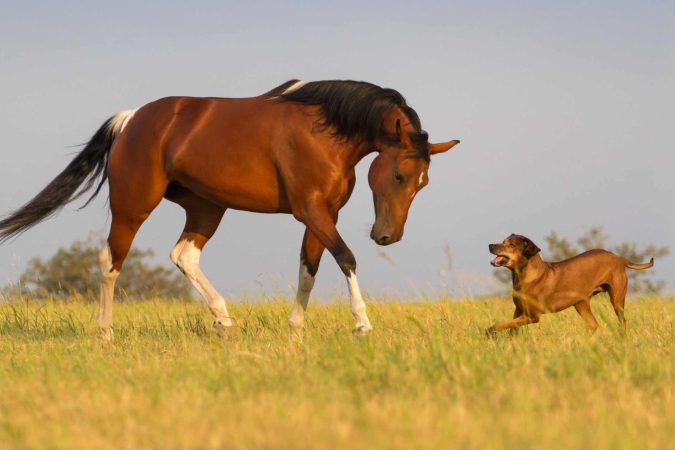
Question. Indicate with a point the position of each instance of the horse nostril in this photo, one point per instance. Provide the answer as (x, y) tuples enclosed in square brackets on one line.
[(383, 240)]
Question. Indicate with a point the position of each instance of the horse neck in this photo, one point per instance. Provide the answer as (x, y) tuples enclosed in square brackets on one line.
[(360, 151), (355, 153)]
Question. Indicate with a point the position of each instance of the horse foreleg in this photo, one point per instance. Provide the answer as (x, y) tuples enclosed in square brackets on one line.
[(319, 221), (357, 305), (310, 257)]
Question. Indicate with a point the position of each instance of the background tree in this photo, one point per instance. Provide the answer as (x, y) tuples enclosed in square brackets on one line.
[(76, 270), (638, 280)]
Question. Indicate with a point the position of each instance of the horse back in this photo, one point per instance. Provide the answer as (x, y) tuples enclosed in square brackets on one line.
[(232, 151)]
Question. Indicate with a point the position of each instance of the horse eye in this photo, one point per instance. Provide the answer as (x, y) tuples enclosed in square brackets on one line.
[(398, 177)]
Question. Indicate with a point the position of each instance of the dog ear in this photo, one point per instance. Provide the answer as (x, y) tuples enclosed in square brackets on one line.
[(529, 248)]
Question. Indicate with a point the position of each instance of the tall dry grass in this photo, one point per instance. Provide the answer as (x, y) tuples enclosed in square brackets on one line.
[(426, 378)]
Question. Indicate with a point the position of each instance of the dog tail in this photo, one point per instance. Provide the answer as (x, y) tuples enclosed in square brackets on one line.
[(631, 265)]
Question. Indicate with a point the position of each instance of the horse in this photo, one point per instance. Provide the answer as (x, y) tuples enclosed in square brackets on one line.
[(291, 150)]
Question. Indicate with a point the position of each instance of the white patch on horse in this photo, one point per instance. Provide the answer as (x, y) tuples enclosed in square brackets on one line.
[(128, 118), (420, 179), (120, 120), (305, 285), (297, 85), (357, 305), (186, 256)]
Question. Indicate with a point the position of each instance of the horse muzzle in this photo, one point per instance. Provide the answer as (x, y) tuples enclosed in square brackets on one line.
[(385, 235)]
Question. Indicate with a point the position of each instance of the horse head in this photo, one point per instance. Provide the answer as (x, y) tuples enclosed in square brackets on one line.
[(398, 173)]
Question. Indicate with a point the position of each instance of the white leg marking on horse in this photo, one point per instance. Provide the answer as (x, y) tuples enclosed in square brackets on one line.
[(305, 285), (187, 256), (175, 252), (108, 279), (297, 85), (357, 305)]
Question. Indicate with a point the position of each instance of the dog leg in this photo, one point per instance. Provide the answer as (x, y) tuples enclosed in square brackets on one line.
[(584, 310), (515, 323), (517, 313), (618, 297)]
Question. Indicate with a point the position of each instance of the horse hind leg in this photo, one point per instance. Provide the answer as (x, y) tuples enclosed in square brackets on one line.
[(125, 225), (108, 279), (133, 196), (202, 220)]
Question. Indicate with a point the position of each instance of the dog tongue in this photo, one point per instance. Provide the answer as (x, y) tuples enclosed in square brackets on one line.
[(498, 259)]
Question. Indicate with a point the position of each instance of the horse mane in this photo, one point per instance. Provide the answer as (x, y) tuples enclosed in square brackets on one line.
[(354, 110)]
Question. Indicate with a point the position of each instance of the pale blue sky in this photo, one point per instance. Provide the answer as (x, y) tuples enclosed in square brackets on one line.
[(565, 113)]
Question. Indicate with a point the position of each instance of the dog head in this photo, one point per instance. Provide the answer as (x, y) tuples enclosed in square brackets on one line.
[(513, 253)]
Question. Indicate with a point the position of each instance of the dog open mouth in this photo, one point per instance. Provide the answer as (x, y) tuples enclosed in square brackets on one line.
[(499, 260)]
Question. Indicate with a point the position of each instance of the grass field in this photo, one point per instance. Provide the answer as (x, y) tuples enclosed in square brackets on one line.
[(426, 378)]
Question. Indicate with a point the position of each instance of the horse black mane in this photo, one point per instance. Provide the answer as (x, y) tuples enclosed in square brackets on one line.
[(355, 110)]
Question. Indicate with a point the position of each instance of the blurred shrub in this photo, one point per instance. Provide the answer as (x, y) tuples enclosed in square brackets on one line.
[(75, 270)]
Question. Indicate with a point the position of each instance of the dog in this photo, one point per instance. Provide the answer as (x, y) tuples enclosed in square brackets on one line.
[(541, 287)]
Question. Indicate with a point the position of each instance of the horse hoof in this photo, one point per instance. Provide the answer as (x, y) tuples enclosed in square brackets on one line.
[(107, 335), (223, 329), (297, 335), (361, 331)]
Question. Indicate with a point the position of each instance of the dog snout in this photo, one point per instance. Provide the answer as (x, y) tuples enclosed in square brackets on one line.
[(491, 247)]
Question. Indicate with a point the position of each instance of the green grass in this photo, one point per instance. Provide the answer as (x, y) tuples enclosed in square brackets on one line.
[(426, 378)]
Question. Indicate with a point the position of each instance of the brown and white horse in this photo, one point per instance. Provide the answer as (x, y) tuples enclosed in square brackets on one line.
[(292, 150)]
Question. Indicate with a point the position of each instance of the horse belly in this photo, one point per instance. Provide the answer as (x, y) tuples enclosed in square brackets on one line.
[(236, 186)]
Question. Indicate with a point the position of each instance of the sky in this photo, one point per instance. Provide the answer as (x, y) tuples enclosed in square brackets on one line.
[(564, 111)]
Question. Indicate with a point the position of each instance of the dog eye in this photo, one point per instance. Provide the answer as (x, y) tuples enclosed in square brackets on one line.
[(398, 177)]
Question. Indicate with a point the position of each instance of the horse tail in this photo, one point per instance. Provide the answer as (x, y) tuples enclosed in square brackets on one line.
[(631, 265), (75, 180)]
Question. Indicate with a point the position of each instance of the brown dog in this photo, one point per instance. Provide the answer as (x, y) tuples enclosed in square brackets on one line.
[(540, 287)]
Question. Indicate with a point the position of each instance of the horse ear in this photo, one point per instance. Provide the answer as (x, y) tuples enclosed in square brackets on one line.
[(402, 136), (442, 147)]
